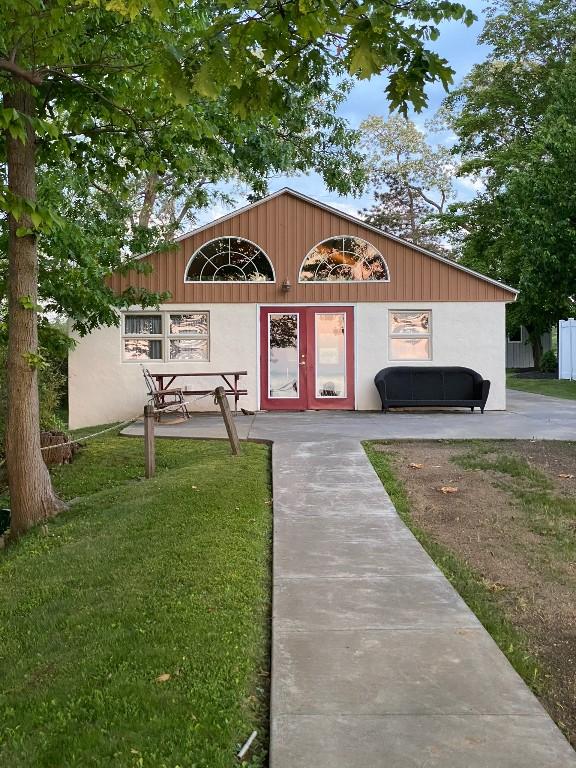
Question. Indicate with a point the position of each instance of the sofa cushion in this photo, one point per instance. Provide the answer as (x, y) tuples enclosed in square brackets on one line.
[(399, 386), (427, 385), (459, 385)]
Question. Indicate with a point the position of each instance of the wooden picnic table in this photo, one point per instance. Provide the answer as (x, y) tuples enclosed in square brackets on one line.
[(165, 381)]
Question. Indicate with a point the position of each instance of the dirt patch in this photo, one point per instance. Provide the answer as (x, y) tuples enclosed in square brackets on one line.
[(512, 519)]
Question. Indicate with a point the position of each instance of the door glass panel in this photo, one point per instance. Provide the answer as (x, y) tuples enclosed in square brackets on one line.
[(283, 355), (330, 354)]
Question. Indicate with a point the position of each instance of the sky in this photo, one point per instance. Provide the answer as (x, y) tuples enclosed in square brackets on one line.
[(457, 43)]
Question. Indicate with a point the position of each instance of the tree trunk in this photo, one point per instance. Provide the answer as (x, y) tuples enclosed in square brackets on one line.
[(150, 192), (414, 234), (31, 496), (537, 350)]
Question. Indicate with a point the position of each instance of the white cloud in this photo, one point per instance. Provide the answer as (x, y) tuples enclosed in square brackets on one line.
[(350, 209), (473, 183)]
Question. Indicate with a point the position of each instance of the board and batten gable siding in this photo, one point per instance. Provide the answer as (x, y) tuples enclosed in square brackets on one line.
[(287, 226)]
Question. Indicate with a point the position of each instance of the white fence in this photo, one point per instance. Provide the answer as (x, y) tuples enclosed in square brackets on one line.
[(567, 349)]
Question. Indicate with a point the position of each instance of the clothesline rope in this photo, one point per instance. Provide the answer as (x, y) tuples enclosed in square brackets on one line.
[(119, 425)]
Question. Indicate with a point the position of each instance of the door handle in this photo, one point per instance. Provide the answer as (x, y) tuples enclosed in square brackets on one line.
[(303, 362)]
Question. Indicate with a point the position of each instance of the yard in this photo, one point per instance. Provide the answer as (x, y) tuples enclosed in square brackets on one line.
[(551, 387), (135, 628), (499, 518)]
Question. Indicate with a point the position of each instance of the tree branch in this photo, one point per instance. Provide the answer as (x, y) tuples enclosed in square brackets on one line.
[(34, 78), (429, 200)]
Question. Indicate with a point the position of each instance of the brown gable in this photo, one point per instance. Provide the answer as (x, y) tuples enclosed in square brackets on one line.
[(286, 226)]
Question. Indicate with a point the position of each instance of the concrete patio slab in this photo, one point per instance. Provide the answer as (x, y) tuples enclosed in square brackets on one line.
[(378, 602), (396, 672), (527, 416), (412, 741), (304, 549), (320, 499)]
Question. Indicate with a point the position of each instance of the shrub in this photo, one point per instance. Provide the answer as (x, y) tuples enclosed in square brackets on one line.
[(51, 384), (549, 362)]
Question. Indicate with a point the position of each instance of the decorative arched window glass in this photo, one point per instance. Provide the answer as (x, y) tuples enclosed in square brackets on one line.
[(229, 260), (344, 260)]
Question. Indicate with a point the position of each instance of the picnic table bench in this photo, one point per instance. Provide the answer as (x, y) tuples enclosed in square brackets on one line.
[(165, 381)]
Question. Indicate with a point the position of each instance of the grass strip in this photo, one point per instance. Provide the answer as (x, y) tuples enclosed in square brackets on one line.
[(562, 388)]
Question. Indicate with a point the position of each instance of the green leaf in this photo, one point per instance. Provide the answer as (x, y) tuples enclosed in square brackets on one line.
[(36, 219), (24, 231)]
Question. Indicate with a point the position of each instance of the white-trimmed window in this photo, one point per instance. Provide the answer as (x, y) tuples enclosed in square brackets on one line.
[(516, 335), (229, 260), (344, 260), (166, 336), (410, 334)]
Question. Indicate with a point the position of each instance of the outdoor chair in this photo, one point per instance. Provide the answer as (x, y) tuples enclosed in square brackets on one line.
[(164, 400)]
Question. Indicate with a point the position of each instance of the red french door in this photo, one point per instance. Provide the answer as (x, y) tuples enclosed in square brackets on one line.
[(306, 358)]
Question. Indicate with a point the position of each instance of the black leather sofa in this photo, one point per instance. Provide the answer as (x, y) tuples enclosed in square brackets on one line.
[(409, 386)]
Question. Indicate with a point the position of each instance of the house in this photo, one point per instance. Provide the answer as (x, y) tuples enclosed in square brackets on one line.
[(310, 301), (519, 350)]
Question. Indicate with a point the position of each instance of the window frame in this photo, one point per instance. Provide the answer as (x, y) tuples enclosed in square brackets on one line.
[(165, 337), (428, 335), (228, 282), (342, 282), (521, 340), (183, 336)]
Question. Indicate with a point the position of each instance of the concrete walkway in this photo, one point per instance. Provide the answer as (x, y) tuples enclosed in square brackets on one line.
[(376, 661)]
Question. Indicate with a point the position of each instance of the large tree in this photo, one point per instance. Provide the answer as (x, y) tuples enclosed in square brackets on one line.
[(412, 180), (501, 102), (512, 121), (247, 152), (525, 234), (101, 81)]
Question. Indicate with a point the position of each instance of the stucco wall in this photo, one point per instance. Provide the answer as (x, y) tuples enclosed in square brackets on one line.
[(471, 334), (105, 389)]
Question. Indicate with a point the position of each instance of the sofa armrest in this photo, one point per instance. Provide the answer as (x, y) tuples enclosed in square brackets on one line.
[(485, 391)]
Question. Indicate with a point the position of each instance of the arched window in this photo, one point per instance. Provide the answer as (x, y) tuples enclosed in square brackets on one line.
[(229, 260), (344, 260)]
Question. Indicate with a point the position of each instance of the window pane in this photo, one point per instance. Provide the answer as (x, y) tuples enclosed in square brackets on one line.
[(189, 322), (189, 349), (230, 259), (283, 368), (216, 250), (142, 349), (410, 349), (344, 260), (229, 273), (410, 323), (330, 355), (143, 324)]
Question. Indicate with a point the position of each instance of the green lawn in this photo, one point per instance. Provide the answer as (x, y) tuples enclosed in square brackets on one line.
[(551, 387), (141, 578)]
